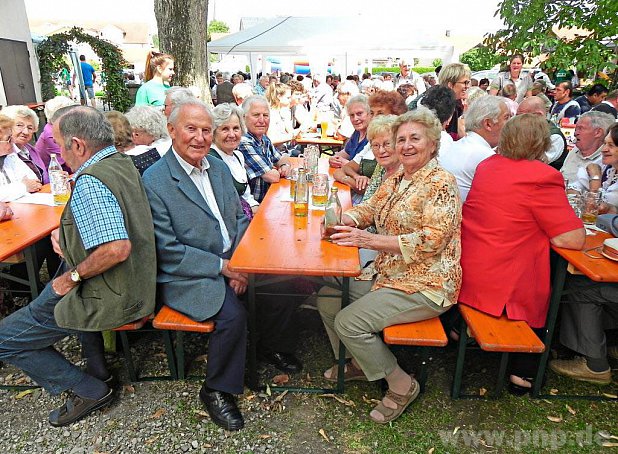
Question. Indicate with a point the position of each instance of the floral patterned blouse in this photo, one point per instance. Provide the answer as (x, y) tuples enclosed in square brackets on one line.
[(426, 216)]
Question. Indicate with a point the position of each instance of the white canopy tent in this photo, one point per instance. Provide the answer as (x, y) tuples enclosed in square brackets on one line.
[(344, 39)]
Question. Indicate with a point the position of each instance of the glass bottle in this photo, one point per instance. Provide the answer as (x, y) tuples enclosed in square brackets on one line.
[(301, 194), (332, 214), (58, 182)]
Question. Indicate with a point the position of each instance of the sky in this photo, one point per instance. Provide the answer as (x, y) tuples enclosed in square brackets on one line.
[(455, 15)]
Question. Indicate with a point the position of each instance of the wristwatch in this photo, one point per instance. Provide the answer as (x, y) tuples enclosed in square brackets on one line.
[(75, 277)]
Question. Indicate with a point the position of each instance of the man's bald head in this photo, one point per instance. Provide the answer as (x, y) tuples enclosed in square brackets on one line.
[(532, 105)]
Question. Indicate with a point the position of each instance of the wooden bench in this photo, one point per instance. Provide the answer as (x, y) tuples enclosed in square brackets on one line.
[(493, 334), (425, 334), (168, 319)]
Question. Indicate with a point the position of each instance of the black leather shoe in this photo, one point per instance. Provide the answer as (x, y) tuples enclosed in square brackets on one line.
[(76, 408), (222, 409), (285, 362)]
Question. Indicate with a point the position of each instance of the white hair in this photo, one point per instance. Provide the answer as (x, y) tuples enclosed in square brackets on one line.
[(56, 103), (21, 111), (481, 109)]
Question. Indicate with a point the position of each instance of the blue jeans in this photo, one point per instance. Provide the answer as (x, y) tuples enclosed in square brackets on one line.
[(27, 337)]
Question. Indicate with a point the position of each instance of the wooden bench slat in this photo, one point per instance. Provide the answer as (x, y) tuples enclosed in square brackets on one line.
[(135, 325), (428, 333), (499, 334), (168, 318)]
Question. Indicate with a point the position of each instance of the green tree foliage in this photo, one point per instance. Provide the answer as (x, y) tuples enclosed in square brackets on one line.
[(52, 51), (479, 59), (217, 26), (530, 24)]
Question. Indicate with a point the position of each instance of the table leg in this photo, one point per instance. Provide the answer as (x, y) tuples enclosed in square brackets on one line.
[(32, 269), (252, 380), (345, 299), (552, 315)]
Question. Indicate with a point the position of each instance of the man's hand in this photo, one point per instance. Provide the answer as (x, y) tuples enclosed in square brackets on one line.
[(284, 170), (5, 212), (63, 284), (32, 185), (238, 287), (232, 275), (337, 162), (55, 239)]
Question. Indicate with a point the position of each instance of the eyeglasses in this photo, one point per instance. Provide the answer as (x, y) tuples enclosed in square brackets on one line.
[(465, 83), (377, 146)]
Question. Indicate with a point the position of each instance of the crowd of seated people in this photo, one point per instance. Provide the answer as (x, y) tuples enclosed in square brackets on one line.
[(449, 182)]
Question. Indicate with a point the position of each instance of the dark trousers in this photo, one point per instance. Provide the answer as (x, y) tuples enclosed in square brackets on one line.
[(277, 324), (227, 347)]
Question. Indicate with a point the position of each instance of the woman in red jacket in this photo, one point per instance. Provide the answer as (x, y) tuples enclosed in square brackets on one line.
[(516, 208)]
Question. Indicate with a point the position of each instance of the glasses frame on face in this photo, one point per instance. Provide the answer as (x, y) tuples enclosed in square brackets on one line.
[(21, 126), (376, 147), (465, 83)]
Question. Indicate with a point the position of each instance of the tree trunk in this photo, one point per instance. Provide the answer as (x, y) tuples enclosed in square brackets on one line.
[(183, 30)]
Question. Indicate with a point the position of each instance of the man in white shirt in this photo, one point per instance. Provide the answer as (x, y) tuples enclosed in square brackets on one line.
[(406, 76), (590, 132), (484, 121)]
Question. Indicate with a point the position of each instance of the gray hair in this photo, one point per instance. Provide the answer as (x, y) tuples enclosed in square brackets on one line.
[(149, 119), (56, 103), (179, 95), (194, 102), (61, 111), (223, 112), (424, 117), (599, 119), (382, 124), (88, 124), (253, 99), (348, 87), (242, 91), (21, 111), (485, 107), (358, 99), (474, 93)]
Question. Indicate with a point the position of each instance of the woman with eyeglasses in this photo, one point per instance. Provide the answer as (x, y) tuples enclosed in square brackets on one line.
[(512, 76), (456, 76), (26, 123), (158, 75)]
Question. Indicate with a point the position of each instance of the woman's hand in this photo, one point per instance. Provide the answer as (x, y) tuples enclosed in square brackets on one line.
[(351, 236), (361, 183), (32, 185)]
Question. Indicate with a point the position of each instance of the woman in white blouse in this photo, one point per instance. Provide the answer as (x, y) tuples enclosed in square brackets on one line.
[(228, 129), (16, 178)]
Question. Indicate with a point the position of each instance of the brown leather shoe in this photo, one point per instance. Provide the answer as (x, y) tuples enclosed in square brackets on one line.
[(76, 408), (612, 351), (577, 369)]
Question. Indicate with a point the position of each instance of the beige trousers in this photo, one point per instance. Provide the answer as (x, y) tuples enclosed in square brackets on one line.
[(359, 324)]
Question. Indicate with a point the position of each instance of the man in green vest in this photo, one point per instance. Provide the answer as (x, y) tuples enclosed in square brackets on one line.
[(107, 279)]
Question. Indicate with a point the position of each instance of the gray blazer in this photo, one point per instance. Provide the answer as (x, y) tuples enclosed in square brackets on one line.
[(189, 244)]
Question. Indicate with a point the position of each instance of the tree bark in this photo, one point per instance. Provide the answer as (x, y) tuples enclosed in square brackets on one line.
[(183, 29)]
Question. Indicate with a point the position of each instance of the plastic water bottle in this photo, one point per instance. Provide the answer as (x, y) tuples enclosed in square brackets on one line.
[(58, 182)]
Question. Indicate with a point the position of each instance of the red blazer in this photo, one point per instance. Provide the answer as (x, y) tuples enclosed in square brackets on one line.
[(512, 211)]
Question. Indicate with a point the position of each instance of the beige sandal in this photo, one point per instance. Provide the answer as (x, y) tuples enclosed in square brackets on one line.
[(351, 373), (402, 402)]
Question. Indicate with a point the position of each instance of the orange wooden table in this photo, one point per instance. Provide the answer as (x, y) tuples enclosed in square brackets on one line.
[(279, 243), (577, 262), (323, 143), (29, 224)]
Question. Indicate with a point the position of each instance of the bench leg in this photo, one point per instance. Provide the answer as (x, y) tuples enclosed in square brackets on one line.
[(504, 360), (422, 371), (169, 350), (124, 339), (180, 355), (461, 355)]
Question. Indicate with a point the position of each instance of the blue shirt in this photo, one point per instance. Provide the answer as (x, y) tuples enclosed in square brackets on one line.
[(260, 157), (354, 146), (87, 72), (97, 214)]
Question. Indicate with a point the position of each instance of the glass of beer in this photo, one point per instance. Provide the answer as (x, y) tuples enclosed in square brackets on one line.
[(591, 207), (292, 177), (324, 128), (319, 191)]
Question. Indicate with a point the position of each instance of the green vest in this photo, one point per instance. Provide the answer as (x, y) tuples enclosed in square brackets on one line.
[(125, 292)]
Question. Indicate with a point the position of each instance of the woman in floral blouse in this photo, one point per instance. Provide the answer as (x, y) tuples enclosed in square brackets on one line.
[(416, 276)]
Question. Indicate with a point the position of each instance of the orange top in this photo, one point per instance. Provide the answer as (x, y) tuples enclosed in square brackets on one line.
[(277, 242), (599, 270), (29, 224)]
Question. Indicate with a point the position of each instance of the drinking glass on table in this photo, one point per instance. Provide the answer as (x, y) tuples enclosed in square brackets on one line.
[(292, 177), (319, 191), (591, 202)]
